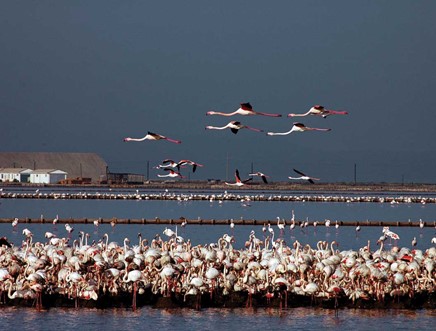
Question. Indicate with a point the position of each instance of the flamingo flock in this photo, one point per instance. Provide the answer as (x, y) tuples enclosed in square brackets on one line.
[(265, 272), (244, 109)]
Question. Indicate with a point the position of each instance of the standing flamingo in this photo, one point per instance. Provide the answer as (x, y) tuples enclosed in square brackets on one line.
[(239, 182), (69, 229), (357, 229), (414, 241), (234, 126), (133, 276), (15, 222), (304, 177), (153, 136), (232, 226), (281, 225), (320, 111), (245, 109), (297, 127), (390, 234)]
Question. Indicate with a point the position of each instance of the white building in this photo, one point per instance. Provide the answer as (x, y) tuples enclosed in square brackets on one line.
[(15, 174), (47, 176)]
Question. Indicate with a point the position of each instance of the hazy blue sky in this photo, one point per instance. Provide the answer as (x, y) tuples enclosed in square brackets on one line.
[(79, 76)]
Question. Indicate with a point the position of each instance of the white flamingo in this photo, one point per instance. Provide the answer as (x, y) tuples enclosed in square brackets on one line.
[(133, 277), (297, 127), (234, 126), (69, 228), (261, 175), (171, 173), (304, 177), (320, 111), (153, 136)]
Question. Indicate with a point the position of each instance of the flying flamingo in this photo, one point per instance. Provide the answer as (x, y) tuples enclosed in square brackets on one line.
[(152, 136), (191, 163), (245, 109), (168, 163), (234, 126), (171, 173), (261, 175), (297, 127), (239, 182), (304, 177), (319, 111)]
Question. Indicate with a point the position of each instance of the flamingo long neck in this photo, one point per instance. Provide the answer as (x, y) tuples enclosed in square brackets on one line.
[(219, 127), (299, 115), (223, 114)]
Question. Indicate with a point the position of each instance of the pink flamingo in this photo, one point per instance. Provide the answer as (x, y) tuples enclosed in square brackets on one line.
[(245, 109), (191, 163), (152, 136), (239, 182), (320, 111)]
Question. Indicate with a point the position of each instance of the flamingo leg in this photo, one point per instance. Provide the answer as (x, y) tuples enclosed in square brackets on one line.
[(134, 296)]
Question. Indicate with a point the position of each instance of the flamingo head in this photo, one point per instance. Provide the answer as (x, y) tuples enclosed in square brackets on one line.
[(127, 139)]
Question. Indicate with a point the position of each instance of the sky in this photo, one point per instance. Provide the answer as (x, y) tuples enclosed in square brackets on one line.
[(79, 76)]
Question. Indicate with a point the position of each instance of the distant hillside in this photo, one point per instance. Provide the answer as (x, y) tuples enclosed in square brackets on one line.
[(75, 164)]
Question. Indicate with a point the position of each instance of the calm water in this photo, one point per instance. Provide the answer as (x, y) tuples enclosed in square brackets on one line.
[(215, 319), (218, 319)]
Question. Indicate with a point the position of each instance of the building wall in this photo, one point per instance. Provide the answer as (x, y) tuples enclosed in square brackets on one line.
[(56, 178), (40, 178), (8, 177)]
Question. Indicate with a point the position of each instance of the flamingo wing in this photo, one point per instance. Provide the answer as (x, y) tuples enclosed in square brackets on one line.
[(246, 106), (299, 172), (237, 175)]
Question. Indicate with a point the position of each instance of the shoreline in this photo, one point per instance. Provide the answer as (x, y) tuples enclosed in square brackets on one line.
[(256, 186)]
